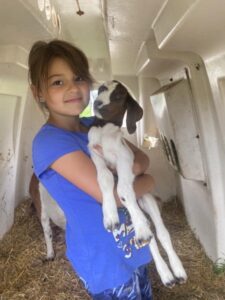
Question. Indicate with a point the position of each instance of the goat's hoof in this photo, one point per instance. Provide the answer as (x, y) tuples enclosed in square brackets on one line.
[(47, 259), (111, 222), (117, 226), (112, 227), (179, 273), (181, 280), (170, 284), (144, 237), (166, 275), (143, 232), (143, 242)]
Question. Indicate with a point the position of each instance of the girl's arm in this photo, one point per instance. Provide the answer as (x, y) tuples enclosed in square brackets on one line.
[(79, 169)]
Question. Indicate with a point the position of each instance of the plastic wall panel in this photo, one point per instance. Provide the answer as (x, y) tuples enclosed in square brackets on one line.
[(8, 105), (172, 105)]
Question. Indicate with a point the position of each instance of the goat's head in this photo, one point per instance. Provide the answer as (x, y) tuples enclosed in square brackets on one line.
[(113, 101)]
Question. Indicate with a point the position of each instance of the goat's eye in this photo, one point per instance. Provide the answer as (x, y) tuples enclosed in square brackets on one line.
[(102, 88)]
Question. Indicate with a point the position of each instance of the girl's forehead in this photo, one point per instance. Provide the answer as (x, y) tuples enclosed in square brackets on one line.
[(58, 62), (59, 65)]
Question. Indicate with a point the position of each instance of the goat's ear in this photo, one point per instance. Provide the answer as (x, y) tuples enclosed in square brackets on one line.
[(134, 114)]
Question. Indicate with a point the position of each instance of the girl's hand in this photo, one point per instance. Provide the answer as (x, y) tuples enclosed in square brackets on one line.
[(141, 160), (98, 149)]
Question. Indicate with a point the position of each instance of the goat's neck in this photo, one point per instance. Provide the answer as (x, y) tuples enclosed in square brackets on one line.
[(101, 122)]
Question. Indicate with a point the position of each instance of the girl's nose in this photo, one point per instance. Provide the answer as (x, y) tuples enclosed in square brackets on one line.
[(73, 85)]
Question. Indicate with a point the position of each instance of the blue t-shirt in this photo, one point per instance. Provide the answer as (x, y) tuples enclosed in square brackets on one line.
[(101, 259)]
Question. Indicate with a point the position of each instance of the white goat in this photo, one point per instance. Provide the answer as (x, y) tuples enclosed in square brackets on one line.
[(117, 153)]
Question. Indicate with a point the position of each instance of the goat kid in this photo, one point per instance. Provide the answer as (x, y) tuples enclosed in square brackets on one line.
[(116, 153)]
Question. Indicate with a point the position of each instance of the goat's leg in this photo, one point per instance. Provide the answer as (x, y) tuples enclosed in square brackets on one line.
[(106, 183), (149, 204), (45, 222), (163, 270), (139, 221), (126, 193)]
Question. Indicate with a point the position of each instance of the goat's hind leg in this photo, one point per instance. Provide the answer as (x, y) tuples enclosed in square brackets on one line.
[(140, 223), (149, 204), (45, 222), (163, 270)]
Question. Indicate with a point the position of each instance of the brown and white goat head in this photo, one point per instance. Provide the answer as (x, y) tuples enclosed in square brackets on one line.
[(113, 101)]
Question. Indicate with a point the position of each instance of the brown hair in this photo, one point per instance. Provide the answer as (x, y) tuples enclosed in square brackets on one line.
[(42, 53)]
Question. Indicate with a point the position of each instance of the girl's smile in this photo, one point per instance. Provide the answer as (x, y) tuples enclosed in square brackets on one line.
[(74, 100)]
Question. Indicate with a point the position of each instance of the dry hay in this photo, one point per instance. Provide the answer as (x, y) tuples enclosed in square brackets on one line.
[(25, 275), (203, 282)]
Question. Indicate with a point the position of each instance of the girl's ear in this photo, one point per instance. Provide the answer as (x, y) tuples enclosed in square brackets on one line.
[(34, 91), (37, 95), (134, 114)]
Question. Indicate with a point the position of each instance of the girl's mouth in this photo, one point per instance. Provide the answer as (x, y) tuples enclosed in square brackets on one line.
[(73, 100)]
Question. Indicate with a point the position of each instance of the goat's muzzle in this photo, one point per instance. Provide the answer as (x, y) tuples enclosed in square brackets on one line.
[(97, 104)]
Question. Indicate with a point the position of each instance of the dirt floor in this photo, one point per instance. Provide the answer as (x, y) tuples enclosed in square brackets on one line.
[(24, 274)]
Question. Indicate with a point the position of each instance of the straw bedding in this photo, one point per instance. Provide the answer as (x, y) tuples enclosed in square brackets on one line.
[(24, 274)]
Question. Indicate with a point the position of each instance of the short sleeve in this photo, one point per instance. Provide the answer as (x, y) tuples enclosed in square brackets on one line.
[(50, 144)]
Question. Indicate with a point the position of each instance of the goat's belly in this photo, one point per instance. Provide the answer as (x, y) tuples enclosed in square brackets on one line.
[(57, 216), (52, 209), (110, 157)]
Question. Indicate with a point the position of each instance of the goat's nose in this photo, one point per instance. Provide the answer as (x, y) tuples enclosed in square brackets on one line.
[(97, 103)]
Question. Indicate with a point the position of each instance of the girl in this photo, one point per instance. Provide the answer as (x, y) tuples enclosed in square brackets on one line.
[(111, 265)]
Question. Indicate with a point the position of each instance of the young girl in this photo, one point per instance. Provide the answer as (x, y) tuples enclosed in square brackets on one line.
[(111, 265)]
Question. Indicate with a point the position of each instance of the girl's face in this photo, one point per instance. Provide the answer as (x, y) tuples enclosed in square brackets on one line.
[(66, 94)]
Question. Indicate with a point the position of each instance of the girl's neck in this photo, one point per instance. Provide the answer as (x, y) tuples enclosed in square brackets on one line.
[(72, 124)]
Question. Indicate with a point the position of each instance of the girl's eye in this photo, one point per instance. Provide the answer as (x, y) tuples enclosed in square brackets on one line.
[(57, 82), (79, 78)]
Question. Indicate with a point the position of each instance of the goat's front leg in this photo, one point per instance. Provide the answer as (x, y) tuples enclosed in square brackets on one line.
[(149, 204), (105, 179), (106, 183), (127, 195)]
